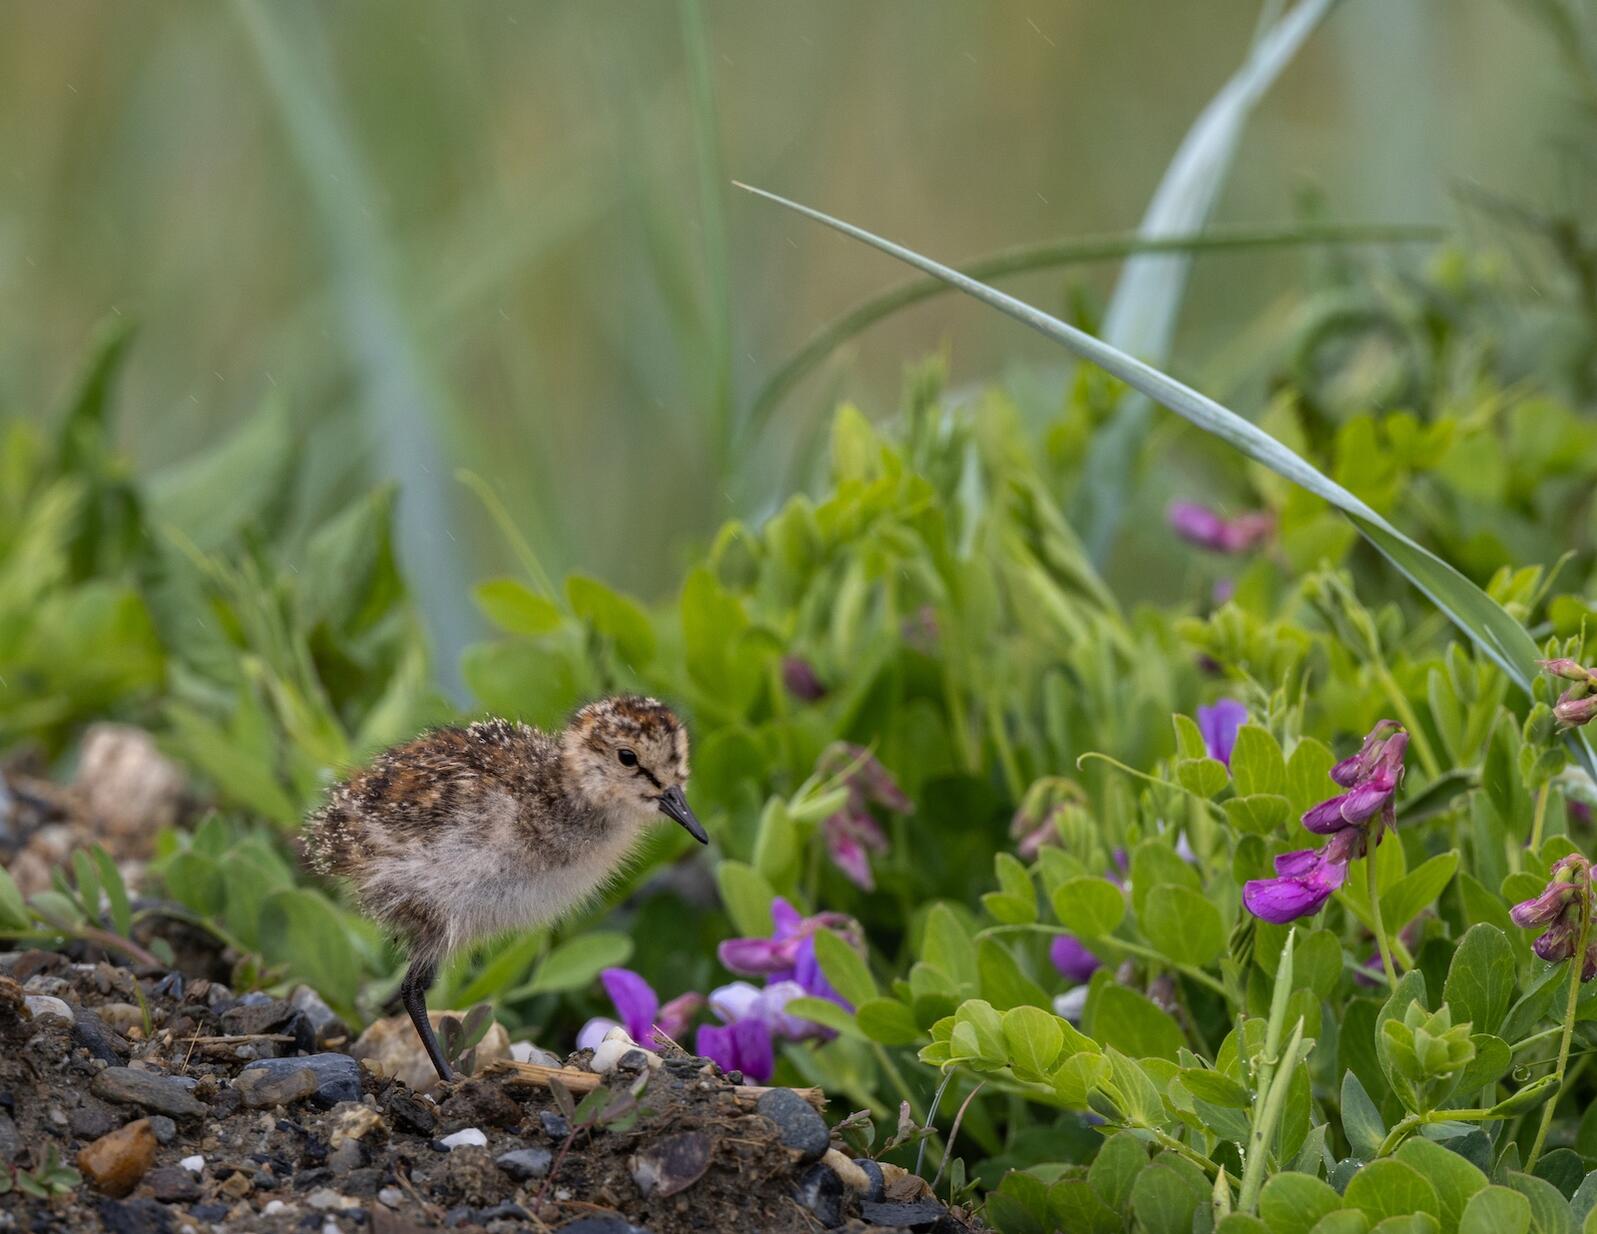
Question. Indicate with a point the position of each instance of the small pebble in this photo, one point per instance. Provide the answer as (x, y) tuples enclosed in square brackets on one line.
[(873, 1172), (526, 1052), (115, 1163), (609, 1054), (164, 1094), (45, 1005), (554, 1124), (821, 1191), (525, 1163), (273, 1207), (853, 1177), (261, 1087), (391, 1196), (470, 1135), (194, 1164), (165, 1129), (797, 1123)]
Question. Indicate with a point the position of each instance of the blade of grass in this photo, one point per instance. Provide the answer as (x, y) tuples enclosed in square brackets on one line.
[(401, 398), (1501, 638), (1026, 259), (707, 150), (1142, 313)]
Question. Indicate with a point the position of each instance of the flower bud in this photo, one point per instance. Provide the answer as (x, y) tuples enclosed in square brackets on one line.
[(1572, 712), (1567, 669)]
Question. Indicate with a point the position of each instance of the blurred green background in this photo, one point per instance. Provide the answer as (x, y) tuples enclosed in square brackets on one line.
[(501, 236)]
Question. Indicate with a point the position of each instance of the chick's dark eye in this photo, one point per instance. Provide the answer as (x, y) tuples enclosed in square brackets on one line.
[(627, 757)]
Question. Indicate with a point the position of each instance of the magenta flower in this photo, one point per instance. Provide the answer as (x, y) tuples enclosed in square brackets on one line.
[(1202, 526), (1568, 670), (1576, 706), (641, 1014), (789, 954), (743, 1046), (1562, 906), (1305, 879), (800, 679), (852, 834), (1219, 725), (1072, 959)]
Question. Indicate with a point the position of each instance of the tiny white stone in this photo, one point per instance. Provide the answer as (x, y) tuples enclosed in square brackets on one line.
[(469, 1136), (194, 1165), (619, 1034), (391, 1196), (275, 1206), (526, 1052), (46, 1004), (330, 1226), (609, 1054)]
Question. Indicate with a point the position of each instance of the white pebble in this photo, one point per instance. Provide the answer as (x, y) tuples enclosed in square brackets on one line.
[(609, 1053), (619, 1034), (273, 1208), (330, 1226), (391, 1196), (45, 1004), (194, 1165), (469, 1136), (526, 1052)]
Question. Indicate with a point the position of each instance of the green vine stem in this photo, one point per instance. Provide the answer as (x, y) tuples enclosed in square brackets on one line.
[(1381, 942), (1413, 1122), (1577, 963)]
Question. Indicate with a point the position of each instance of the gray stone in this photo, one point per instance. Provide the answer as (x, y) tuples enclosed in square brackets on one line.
[(172, 1184), (97, 1037), (337, 1075), (554, 1124), (918, 1215), (165, 1129), (821, 1191), (93, 1119), (138, 1216), (323, 1021), (10, 1138), (346, 1157), (873, 1172), (672, 1164), (797, 1123), (603, 1225), (261, 1089), (524, 1163), (148, 1090), (42, 1005)]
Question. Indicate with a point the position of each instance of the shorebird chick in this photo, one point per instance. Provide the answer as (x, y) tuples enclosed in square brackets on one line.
[(468, 832)]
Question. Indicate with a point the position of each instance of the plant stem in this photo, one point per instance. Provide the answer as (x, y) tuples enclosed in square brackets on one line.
[(1375, 911), (1540, 818), (1577, 963), (1401, 1131)]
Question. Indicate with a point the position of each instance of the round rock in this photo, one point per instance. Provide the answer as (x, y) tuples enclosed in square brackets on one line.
[(821, 1191), (524, 1163), (797, 1123)]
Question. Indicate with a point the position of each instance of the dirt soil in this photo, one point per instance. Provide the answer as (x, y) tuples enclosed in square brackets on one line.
[(149, 1072)]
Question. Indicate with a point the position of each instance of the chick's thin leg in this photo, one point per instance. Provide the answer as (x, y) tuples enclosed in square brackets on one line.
[(413, 993)]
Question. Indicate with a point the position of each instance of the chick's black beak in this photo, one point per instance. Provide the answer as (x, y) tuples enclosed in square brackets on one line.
[(675, 806)]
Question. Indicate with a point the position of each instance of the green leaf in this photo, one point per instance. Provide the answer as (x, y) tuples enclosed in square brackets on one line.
[(1343, 1221), (1122, 1018), (1034, 1039), (1481, 978), (575, 964), (1454, 1179), (888, 1021), (1257, 813), (1388, 1188), (948, 948), (1257, 764), (1164, 1198), (1496, 1210), (195, 882), (1182, 924), (844, 967), (1089, 907), (301, 929), (1361, 1121), (1549, 1211), (1203, 776), (1417, 890), (1308, 774), (515, 608), (242, 483), (13, 911), (1491, 627), (746, 895), (1295, 1203), (615, 616), (1002, 982), (825, 1011), (1115, 1168)]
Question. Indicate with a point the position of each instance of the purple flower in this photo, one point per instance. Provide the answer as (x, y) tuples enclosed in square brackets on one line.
[(852, 834), (1567, 669), (743, 1046), (1219, 725), (1305, 879), (742, 1001), (1072, 959), (1202, 526), (799, 676), (641, 1014), (1573, 711), (1563, 906), (789, 954)]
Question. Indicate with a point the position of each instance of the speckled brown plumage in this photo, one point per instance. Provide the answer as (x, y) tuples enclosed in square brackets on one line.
[(467, 832)]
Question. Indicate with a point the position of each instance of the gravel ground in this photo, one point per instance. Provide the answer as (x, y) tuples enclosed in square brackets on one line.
[(187, 1109)]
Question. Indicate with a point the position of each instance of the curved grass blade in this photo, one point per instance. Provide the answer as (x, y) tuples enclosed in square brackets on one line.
[(1142, 313), (1501, 638), (1026, 259)]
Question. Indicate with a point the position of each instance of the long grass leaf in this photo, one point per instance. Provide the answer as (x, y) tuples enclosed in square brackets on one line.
[(1051, 255), (401, 397), (1142, 314), (1498, 635)]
